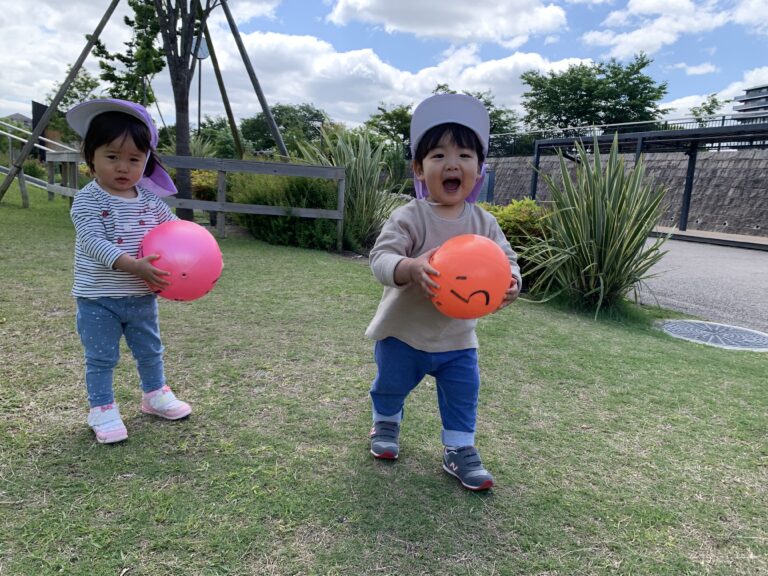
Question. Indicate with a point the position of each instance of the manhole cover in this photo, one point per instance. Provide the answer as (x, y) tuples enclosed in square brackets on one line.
[(720, 335)]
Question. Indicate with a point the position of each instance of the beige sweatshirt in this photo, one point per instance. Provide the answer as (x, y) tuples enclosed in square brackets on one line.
[(403, 311)]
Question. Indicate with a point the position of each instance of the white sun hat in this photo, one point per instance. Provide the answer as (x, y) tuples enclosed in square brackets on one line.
[(444, 108), (79, 118)]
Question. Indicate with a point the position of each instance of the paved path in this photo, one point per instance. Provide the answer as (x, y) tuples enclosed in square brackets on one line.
[(716, 283)]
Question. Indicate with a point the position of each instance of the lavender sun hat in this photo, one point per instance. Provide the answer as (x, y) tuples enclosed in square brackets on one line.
[(451, 108), (79, 118)]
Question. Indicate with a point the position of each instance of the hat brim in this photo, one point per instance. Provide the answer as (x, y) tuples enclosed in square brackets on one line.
[(80, 116)]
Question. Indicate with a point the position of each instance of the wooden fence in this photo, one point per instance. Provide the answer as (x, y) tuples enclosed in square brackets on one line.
[(68, 187)]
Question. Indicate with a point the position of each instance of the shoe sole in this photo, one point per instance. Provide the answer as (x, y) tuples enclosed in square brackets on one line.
[(165, 416), (384, 455), (102, 440), (487, 485)]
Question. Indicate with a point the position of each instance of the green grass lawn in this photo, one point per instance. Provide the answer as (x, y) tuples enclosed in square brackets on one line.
[(616, 449)]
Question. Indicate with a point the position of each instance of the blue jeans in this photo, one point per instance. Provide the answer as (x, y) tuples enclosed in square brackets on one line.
[(101, 322), (401, 368)]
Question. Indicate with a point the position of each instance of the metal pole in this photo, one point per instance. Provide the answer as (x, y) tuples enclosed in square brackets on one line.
[(264, 106), (43, 122), (199, 91), (223, 90), (684, 208), (535, 174)]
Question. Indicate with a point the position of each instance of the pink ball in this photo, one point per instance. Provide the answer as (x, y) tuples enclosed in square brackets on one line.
[(189, 252)]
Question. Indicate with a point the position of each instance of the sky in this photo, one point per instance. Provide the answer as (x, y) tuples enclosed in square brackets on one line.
[(348, 57)]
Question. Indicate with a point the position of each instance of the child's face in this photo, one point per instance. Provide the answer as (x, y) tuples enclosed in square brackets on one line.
[(449, 172), (118, 166)]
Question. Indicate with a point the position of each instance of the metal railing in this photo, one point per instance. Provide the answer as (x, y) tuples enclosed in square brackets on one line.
[(522, 143)]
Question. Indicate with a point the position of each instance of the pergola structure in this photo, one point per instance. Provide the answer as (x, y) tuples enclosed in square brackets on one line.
[(688, 141)]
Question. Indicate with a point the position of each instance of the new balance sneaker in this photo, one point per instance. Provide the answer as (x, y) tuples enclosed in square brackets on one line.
[(107, 424), (385, 442), (464, 463), (163, 403)]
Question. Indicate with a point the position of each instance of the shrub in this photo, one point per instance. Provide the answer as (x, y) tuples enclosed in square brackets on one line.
[(522, 224), (204, 184), (594, 246), (35, 168), (289, 192), (519, 220)]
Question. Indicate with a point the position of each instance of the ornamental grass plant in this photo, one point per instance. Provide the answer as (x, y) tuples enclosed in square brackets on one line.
[(372, 184), (594, 249)]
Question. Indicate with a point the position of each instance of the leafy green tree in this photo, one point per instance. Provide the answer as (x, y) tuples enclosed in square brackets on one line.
[(129, 74), (600, 93), (394, 124), (297, 124), (708, 109), (82, 88), (217, 133)]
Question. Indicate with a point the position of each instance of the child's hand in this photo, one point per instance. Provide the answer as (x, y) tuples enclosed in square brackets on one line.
[(151, 275), (142, 267), (418, 271), (511, 294)]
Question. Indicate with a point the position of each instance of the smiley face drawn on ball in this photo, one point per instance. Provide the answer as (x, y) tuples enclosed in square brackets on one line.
[(472, 295)]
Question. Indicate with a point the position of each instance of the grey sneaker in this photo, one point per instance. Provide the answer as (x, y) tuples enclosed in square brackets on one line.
[(464, 463), (385, 440)]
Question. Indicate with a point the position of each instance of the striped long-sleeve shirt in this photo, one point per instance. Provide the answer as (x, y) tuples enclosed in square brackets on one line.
[(107, 227)]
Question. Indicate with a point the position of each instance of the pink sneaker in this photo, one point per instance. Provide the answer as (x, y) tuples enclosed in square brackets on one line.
[(107, 424), (164, 403)]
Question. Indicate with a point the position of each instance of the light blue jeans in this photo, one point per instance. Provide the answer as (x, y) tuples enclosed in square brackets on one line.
[(457, 375), (101, 322)]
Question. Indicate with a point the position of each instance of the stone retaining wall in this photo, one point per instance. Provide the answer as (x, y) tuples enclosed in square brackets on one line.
[(730, 188)]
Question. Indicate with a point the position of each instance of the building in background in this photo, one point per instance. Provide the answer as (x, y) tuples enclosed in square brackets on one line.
[(754, 107)]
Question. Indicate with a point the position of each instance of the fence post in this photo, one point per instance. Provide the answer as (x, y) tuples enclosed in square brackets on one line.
[(340, 207), (51, 167), (221, 196)]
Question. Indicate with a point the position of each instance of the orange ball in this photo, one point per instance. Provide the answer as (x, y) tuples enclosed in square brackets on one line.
[(474, 276)]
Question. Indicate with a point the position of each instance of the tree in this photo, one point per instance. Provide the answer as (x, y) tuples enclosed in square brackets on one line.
[(180, 23), (82, 89), (600, 93), (708, 109), (141, 60), (216, 132), (393, 124), (297, 124)]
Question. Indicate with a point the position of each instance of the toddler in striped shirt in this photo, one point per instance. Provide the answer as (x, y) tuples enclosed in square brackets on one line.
[(112, 286)]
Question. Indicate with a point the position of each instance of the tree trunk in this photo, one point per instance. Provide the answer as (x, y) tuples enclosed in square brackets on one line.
[(183, 177)]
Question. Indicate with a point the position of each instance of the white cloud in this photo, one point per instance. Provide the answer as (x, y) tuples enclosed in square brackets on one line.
[(505, 22), (752, 14), (246, 10), (696, 70), (654, 24)]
